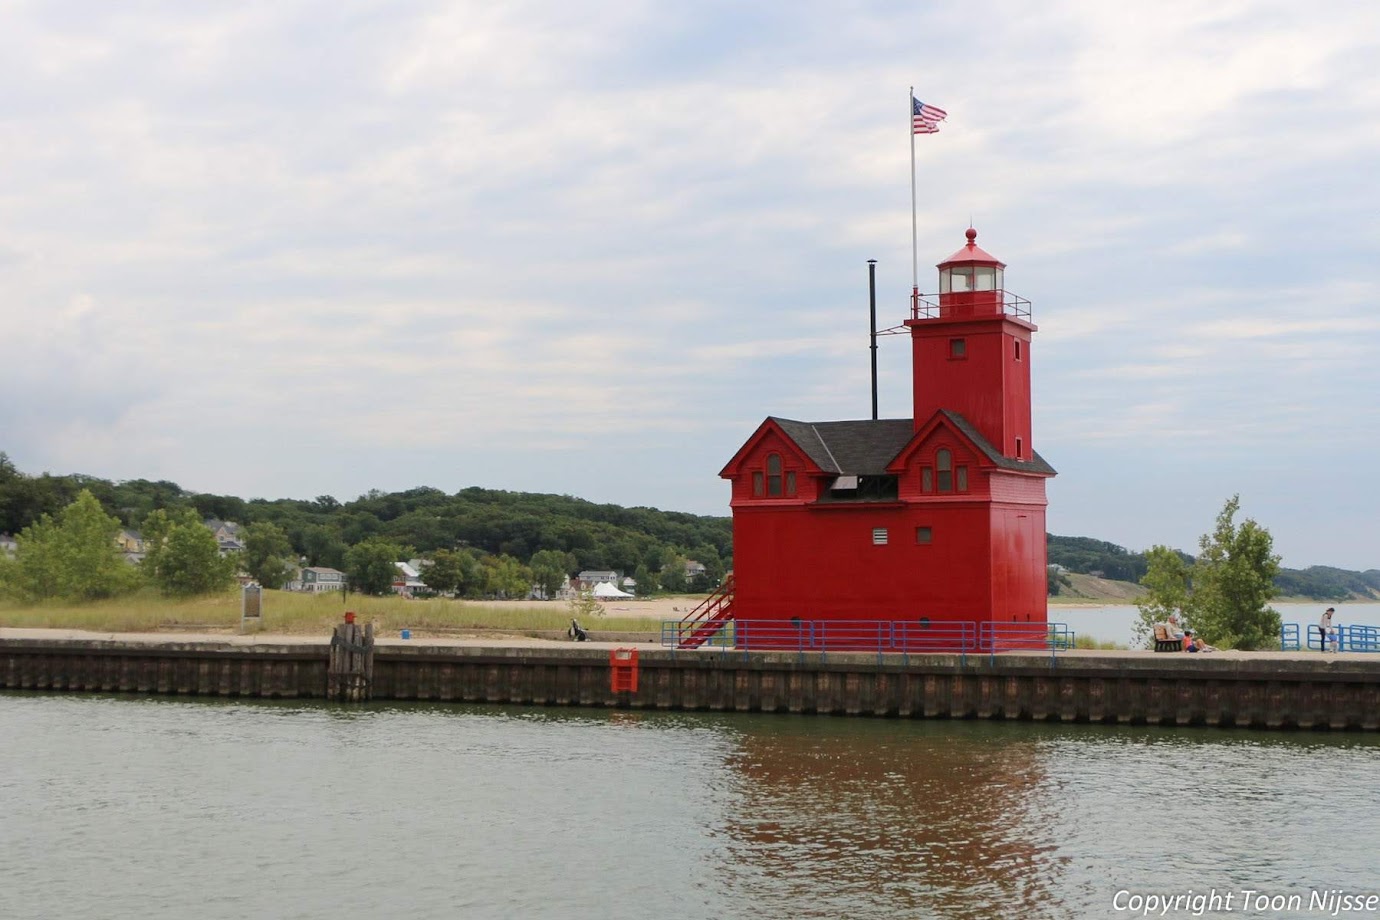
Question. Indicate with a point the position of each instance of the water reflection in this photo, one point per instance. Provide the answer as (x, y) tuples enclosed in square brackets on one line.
[(921, 819)]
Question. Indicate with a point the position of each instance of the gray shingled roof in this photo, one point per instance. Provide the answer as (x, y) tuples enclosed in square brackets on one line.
[(862, 448), (866, 447)]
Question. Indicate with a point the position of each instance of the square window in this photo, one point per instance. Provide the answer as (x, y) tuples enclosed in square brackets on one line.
[(923, 535), (958, 348), (879, 536)]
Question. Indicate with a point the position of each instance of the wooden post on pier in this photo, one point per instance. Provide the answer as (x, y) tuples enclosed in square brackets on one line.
[(350, 675)]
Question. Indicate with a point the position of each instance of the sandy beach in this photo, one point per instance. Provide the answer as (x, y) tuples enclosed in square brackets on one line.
[(653, 608)]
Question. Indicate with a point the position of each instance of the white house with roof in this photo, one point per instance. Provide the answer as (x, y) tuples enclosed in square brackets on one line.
[(408, 582)]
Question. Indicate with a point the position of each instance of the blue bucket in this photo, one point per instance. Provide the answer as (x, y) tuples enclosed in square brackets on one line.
[(407, 634)]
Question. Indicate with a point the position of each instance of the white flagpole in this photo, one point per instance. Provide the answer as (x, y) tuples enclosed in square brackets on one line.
[(914, 246)]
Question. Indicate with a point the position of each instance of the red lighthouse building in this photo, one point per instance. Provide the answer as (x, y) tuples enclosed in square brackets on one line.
[(937, 519)]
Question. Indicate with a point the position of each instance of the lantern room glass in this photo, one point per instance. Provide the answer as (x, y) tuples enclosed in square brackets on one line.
[(964, 278)]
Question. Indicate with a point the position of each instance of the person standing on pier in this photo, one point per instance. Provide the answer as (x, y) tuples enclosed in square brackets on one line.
[(1325, 628)]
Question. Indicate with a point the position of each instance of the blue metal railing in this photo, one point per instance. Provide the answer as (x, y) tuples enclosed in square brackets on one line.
[(1355, 637), (879, 636), (1358, 637)]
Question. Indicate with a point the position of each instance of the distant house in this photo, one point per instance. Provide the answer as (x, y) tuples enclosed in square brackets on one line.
[(565, 592), (131, 544), (693, 569), (316, 578), (229, 536), (408, 582), (629, 584), (591, 577)]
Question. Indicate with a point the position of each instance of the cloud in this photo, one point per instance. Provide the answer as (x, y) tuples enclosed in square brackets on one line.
[(456, 241)]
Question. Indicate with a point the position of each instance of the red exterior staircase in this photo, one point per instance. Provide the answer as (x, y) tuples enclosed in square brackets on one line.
[(697, 626)]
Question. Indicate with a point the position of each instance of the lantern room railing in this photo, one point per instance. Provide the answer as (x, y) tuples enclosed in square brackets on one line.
[(925, 306)]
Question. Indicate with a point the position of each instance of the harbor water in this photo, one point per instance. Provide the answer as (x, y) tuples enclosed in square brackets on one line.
[(157, 808)]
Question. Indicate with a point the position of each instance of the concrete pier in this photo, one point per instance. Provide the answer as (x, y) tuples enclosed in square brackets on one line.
[(1269, 690)]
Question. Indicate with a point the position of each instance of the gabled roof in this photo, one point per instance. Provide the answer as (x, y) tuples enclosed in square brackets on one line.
[(866, 447), (1036, 464)]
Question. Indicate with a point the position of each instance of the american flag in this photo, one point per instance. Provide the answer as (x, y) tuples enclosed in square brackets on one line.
[(925, 119)]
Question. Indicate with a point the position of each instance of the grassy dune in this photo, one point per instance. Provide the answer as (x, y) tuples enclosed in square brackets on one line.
[(314, 614)]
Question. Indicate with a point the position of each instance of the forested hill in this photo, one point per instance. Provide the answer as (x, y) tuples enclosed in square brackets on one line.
[(489, 521), (1087, 556), (520, 524)]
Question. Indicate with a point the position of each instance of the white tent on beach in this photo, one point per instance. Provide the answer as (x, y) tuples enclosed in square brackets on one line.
[(605, 590)]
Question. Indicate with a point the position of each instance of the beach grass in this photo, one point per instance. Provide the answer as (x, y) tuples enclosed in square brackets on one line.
[(299, 613)]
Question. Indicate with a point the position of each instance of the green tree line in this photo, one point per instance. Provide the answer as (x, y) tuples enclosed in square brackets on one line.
[(484, 540)]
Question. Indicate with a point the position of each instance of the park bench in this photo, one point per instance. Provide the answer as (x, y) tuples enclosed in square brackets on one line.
[(1164, 642)]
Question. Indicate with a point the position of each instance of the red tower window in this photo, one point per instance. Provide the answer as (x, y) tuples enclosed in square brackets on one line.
[(923, 535), (958, 348), (1020, 450), (926, 479), (773, 475), (1017, 343), (961, 479), (757, 484), (944, 462)]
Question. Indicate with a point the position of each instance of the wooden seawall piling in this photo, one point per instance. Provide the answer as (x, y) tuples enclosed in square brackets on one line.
[(1259, 691), (350, 672)]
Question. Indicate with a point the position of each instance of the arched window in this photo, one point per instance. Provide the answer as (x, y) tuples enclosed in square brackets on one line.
[(944, 465), (773, 475)]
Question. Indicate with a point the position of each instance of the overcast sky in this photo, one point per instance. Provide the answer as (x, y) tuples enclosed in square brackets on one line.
[(290, 249)]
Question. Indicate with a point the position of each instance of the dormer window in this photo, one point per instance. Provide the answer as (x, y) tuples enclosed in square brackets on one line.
[(772, 480), (944, 465)]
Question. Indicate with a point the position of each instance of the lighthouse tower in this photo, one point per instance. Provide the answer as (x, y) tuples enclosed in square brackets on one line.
[(971, 368), (933, 519)]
